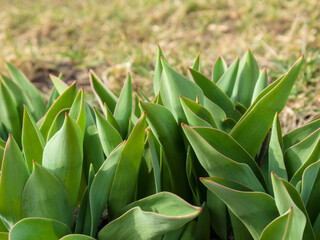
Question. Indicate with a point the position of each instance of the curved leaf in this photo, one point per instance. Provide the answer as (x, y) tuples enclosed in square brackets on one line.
[(150, 218), (77, 111), (13, 177), (123, 109), (172, 86), (63, 156), (65, 100), (76, 237), (109, 136), (219, 69), (256, 122), (255, 209), (32, 93), (157, 72), (261, 84), (58, 84), (215, 94), (166, 130), (219, 165), (103, 94), (32, 140), (38, 228), (45, 196), (228, 79)]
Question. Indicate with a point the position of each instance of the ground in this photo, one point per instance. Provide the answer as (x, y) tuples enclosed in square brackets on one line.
[(114, 37)]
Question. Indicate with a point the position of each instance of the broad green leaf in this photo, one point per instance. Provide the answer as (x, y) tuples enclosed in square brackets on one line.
[(58, 84), (126, 176), (3, 227), (158, 72), (38, 228), (92, 150), (279, 228), (219, 69), (228, 79), (299, 134), (189, 231), (310, 190), (57, 123), (257, 121), (299, 156), (166, 130), (52, 98), (76, 237), (248, 73), (109, 136), (32, 93), (202, 227), (255, 209), (284, 202), (45, 196), (172, 86), (219, 116), (123, 109), (102, 180), (111, 118), (14, 175), (208, 147), (65, 100), (18, 95), (104, 95), (215, 94), (32, 140), (63, 157), (261, 84), (240, 231), (150, 218), (4, 236), (77, 111), (196, 65), (196, 114), (9, 115), (218, 212), (275, 156)]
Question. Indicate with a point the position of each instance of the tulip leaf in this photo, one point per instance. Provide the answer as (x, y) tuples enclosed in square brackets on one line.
[(32, 140), (63, 157), (92, 150), (275, 156), (223, 165), (58, 84), (13, 177), (196, 114), (45, 196), (123, 109), (286, 197), (299, 134), (4, 236), (172, 86), (255, 209), (35, 98), (65, 100), (102, 180), (261, 84), (77, 111), (104, 95), (38, 228), (166, 130), (150, 218), (240, 231), (301, 155), (256, 122), (280, 227), (228, 79), (215, 94), (219, 68), (76, 237), (248, 73), (126, 176), (9, 115), (158, 72), (109, 136), (111, 118), (196, 65)]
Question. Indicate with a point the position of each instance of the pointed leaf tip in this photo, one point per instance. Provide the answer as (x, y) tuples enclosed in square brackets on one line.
[(182, 124), (33, 161)]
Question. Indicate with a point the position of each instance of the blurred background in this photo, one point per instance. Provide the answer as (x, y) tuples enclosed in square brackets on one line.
[(114, 37)]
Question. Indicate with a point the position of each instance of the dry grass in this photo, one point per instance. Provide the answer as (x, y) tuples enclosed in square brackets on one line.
[(113, 37)]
